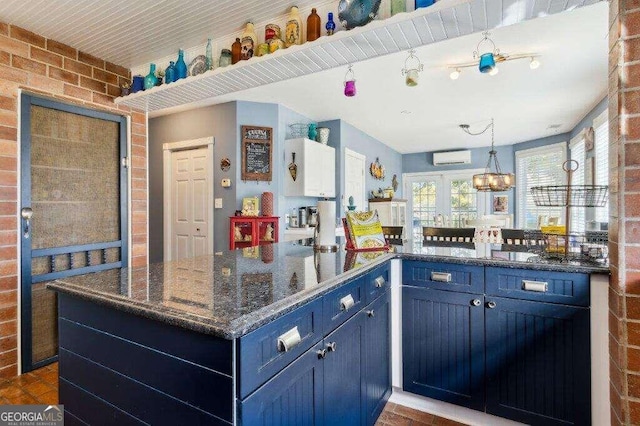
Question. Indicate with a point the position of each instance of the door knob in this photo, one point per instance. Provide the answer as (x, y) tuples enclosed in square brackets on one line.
[(491, 304), (322, 353), (370, 313), (476, 302), (331, 346), (26, 213)]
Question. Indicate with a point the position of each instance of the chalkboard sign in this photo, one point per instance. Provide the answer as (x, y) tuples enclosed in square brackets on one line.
[(257, 153)]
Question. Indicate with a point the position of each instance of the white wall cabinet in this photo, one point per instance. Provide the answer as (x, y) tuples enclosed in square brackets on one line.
[(391, 213), (316, 176)]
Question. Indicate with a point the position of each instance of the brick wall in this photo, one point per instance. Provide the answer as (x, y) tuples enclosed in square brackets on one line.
[(624, 234), (41, 66)]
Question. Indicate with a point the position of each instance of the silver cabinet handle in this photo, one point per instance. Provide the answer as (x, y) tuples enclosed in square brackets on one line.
[(538, 286), (346, 302), (288, 340), (443, 277), (322, 353), (476, 302), (331, 346), (491, 304), (380, 281), (371, 313), (26, 213)]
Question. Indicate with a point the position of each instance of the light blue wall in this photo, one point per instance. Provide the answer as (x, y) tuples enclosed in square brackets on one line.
[(344, 135), (587, 121)]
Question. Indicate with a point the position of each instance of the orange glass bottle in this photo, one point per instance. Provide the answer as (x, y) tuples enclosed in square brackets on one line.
[(313, 26), (236, 51)]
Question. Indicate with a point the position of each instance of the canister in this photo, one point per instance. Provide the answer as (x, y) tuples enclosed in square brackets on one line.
[(275, 44), (271, 31), (263, 49)]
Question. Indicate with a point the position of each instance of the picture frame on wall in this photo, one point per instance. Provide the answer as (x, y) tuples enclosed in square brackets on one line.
[(501, 204)]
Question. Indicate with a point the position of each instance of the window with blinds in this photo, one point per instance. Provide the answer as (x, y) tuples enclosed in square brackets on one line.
[(601, 126), (537, 167), (578, 153)]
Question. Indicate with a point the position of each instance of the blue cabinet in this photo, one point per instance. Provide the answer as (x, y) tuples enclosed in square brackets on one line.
[(538, 362), (376, 383), (443, 345), (293, 397)]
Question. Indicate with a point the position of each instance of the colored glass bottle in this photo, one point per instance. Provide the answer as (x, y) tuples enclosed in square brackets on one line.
[(313, 25), (181, 66), (209, 55), (170, 73), (151, 80), (330, 26), (236, 51), (293, 30), (249, 42), (424, 3)]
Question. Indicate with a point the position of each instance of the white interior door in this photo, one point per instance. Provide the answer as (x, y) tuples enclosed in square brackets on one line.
[(190, 204), (354, 175)]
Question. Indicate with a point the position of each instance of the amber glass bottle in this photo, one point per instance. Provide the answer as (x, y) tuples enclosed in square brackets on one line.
[(313, 26), (236, 51)]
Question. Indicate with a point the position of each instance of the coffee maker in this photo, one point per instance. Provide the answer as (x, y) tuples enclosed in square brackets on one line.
[(312, 215)]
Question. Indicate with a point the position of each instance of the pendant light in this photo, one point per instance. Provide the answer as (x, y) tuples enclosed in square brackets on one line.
[(487, 60), (492, 179)]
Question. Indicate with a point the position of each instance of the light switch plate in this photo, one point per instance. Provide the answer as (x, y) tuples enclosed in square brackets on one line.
[(218, 203)]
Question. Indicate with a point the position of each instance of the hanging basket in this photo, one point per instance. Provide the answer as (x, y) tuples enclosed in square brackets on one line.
[(570, 195)]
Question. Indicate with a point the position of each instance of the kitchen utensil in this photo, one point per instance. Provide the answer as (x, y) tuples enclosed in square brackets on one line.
[(356, 13), (293, 167)]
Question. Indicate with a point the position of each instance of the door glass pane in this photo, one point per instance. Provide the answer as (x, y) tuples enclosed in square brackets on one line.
[(424, 206), (464, 202), (75, 197)]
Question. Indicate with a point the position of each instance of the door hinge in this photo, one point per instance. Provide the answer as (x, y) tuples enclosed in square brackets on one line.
[(125, 162)]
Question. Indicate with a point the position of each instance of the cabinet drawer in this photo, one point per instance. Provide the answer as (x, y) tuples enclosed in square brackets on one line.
[(342, 303), (267, 350), (443, 276), (377, 282), (545, 286)]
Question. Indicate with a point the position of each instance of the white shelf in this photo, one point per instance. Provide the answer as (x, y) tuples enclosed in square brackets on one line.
[(446, 19)]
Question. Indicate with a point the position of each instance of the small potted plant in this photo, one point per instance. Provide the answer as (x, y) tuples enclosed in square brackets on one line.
[(160, 76)]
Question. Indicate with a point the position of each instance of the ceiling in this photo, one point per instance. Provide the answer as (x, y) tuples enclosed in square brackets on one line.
[(570, 82), (130, 33)]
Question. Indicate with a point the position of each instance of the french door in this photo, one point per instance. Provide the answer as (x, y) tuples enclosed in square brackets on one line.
[(445, 199), (73, 209)]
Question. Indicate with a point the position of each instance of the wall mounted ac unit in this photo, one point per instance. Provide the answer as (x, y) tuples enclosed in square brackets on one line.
[(451, 157)]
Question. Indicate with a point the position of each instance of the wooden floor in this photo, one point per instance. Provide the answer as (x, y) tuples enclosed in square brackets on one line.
[(41, 387)]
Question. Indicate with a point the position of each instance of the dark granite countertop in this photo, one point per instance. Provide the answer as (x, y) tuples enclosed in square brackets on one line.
[(231, 294)]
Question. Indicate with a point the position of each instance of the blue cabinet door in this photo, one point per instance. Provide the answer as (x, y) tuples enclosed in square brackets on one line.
[(376, 380), (293, 397), (343, 373), (538, 362), (443, 345)]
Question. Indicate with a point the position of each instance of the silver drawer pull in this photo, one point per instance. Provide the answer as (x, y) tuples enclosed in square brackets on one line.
[(443, 277), (346, 302), (539, 286), (289, 340), (380, 282)]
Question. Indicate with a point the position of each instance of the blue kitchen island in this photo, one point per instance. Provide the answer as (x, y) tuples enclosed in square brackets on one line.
[(282, 335)]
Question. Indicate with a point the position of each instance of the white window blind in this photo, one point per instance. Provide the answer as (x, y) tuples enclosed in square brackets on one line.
[(601, 127), (537, 167), (578, 153)]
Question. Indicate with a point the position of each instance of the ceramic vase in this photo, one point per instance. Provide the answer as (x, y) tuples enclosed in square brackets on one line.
[(313, 132), (181, 66)]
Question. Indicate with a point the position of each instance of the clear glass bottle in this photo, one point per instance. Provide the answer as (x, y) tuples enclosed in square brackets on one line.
[(181, 66), (209, 55), (225, 58), (293, 30), (249, 42)]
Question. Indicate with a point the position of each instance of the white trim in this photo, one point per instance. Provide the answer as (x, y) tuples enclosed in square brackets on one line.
[(359, 156), (167, 149), (537, 150), (601, 119), (577, 138)]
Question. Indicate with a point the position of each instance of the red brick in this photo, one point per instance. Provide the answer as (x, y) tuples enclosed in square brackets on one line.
[(12, 74), (8, 283), (631, 102), (27, 36), (46, 56), (8, 267), (14, 47), (8, 178), (8, 118), (8, 134), (139, 118), (8, 328), (46, 84), (8, 314), (5, 58), (28, 65), (632, 205), (117, 69), (62, 49), (105, 76), (95, 85), (138, 194), (90, 59), (8, 252), (102, 99), (113, 91), (8, 238), (632, 154), (630, 24), (632, 50), (631, 75), (4, 29), (79, 67), (632, 179), (77, 92), (8, 298), (9, 371), (7, 207), (62, 75)]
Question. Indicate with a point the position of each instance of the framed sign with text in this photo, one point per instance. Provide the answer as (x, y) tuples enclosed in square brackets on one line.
[(257, 153)]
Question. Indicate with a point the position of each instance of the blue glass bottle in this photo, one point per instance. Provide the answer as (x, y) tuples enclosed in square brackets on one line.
[(330, 26), (151, 80), (424, 3), (170, 73), (181, 66)]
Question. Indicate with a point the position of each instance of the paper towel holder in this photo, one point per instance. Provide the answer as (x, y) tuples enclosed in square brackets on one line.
[(328, 248)]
